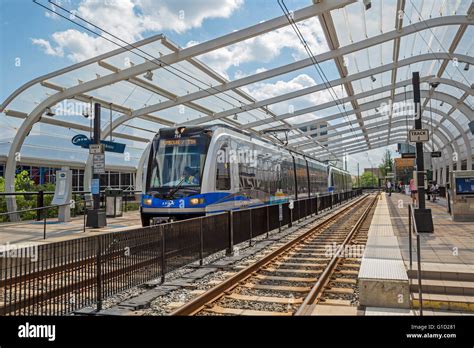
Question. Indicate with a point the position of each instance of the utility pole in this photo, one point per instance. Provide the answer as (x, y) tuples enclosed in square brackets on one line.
[(423, 217), (96, 216), (358, 179), (420, 165)]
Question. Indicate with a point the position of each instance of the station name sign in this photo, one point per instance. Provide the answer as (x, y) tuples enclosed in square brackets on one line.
[(418, 135), (111, 146)]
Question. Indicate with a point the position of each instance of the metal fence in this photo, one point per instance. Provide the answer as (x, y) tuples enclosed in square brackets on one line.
[(59, 278)]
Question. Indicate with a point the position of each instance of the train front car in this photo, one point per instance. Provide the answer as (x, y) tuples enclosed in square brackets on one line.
[(174, 175), (339, 180)]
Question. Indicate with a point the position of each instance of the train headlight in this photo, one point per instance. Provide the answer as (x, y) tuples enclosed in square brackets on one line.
[(195, 201), (147, 201)]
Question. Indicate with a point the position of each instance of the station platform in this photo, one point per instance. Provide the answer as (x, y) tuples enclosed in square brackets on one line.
[(32, 232), (447, 256)]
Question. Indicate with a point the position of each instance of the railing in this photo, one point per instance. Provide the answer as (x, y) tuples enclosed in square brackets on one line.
[(413, 228), (128, 196), (43, 216), (61, 277)]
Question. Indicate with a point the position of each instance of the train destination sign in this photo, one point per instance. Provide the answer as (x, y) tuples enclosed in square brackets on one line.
[(418, 135), (180, 142)]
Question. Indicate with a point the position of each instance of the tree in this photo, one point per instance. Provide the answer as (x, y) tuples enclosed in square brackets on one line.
[(387, 164), (368, 179), (23, 183)]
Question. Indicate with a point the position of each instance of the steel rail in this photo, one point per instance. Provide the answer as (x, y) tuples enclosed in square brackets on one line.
[(317, 289), (197, 304)]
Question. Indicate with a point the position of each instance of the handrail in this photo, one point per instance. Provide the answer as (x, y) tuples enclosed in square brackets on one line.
[(84, 201), (31, 193), (35, 209), (412, 227)]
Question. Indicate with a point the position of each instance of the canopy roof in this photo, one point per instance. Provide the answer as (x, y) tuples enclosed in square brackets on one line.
[(154, 83)]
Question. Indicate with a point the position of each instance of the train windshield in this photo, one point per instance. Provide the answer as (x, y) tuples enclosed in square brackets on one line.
[(178, 163)]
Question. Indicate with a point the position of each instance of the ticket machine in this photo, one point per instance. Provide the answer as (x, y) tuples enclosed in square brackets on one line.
[(462, 195), (63, 193)]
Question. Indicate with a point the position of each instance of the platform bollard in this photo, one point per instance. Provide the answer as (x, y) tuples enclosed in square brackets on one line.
[(39, 204)]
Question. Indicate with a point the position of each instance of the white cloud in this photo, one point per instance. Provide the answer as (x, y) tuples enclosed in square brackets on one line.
[(266, 47), (129, 20), (180, 16), (263, 90), (47, 48)]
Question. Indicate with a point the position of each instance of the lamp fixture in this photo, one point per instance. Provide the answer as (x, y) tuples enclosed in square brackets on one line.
[(466, 67), (148, 75), (373, 78), (50, 112), (367, 4)]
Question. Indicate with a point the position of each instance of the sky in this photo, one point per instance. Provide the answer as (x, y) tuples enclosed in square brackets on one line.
[(35, 41)]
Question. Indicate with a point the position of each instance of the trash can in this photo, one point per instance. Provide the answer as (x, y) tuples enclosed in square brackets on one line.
[(113, 202)]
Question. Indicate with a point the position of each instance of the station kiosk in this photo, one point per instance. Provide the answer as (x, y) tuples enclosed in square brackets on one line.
[(462, 195), (63, 194)]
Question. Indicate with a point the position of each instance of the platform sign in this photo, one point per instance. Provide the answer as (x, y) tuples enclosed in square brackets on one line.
[(436, 154), (95, 186), (408, 155), (280, 212), (418, 135), (96, 148), (291, 205), (98, 163), (112, 146), (81, 140), (86, 143)]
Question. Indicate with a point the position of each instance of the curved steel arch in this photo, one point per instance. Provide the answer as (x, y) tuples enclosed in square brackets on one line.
[(465, 110), (398, 97), (413, 28), (206, 47), (324, 138), (444, 138)]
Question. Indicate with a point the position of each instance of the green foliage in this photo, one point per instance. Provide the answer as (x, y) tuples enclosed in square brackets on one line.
[(23, 183), (387, 164), (368, 179)]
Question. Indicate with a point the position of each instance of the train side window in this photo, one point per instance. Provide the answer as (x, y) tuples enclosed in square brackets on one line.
[(223, 169)]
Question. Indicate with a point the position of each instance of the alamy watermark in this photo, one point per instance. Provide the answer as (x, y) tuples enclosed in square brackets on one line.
[(349, 251), (244, 156), (19, 250)]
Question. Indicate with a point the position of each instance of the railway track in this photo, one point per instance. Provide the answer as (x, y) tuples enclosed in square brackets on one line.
[(317, 268)]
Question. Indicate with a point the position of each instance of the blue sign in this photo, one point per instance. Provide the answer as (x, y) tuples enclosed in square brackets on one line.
[(95, 186), (81, 140), (111, 146)]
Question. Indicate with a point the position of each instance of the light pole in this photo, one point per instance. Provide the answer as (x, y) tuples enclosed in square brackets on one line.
[(358, 178)]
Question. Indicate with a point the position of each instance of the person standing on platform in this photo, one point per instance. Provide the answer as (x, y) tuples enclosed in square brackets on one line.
[(434, 190), (389, 187)]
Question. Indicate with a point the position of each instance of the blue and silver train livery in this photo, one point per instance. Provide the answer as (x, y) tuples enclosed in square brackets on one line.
[(198, 170)]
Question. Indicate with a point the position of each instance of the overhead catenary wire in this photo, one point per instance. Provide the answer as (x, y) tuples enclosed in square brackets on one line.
[(153, 59), (316, 64), (263, 109)]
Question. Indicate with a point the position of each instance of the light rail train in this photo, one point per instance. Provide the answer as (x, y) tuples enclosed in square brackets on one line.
[(198, 170)]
